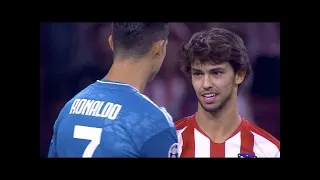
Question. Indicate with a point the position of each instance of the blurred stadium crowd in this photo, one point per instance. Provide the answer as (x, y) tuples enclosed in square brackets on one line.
[(73, 55)]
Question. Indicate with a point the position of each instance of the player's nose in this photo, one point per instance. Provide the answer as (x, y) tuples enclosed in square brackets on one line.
[(207, 82)]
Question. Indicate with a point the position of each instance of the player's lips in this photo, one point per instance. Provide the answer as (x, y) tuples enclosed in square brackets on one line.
[(209, 98)]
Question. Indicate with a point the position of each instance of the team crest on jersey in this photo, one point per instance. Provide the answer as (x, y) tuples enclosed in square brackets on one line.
[(246, 155), (173, 151)]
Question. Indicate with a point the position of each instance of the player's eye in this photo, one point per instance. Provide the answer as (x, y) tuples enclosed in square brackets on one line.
[(217, 73), (196, 73)]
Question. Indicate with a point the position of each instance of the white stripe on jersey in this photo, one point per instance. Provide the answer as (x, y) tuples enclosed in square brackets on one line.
[(232, 145), (263, 147), (202, 144), (180, 141)]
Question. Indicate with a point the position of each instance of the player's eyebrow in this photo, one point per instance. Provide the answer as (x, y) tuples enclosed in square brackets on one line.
[(213, 69), (195, 70), (217, 69)]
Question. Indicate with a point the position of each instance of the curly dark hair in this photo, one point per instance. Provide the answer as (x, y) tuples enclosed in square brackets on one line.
[(216, 46), (137, 38)]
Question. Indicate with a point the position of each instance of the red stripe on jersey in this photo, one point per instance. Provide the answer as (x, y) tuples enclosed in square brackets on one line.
[(189, 146), (247, 142), (217, 149)]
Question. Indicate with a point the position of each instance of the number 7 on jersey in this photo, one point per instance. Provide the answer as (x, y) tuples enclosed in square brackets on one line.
[(88, 133)]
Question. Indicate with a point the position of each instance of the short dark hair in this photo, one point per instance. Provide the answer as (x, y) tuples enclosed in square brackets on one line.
[(215, 45), (136, 38)]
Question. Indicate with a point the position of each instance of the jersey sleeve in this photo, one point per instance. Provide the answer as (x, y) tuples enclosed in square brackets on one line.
[(164, 144), (277, 154), (52, 153), (52, 149)]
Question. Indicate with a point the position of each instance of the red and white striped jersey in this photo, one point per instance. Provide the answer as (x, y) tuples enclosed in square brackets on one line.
[(247, 138)]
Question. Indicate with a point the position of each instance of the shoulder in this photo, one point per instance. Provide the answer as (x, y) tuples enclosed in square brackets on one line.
[(153, 111), (183, 122), (264, 142), (154, 125)]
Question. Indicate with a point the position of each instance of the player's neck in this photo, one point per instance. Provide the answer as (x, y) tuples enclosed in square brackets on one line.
[(133, 72), (219, 125)]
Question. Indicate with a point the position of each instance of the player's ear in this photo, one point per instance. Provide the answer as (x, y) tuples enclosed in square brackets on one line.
[(240, 77), (111, 42), (159, 47)]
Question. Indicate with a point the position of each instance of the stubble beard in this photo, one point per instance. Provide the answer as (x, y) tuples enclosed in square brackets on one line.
[(220, 107)]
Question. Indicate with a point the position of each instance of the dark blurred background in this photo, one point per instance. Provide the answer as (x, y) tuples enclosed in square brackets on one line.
[(73, 55)]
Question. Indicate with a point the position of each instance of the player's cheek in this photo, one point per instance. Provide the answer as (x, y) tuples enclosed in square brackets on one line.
[(199, 97)]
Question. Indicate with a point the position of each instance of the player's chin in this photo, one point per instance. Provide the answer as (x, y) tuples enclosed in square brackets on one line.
[(209, 107)]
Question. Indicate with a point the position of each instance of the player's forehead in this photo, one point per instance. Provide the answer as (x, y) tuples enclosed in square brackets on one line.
[(209, 65)]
